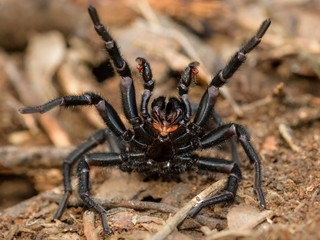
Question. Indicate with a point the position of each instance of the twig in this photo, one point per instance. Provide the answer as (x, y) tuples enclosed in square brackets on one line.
[(88, 224), (12, 232), (52, 127), (138, 205), (234, 233), (286, 133), (304, 116), (278, 93), (174, 221), (54, 196), (16, 158)]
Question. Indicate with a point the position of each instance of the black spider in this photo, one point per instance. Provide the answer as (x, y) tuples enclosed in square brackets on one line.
[(162, 140)]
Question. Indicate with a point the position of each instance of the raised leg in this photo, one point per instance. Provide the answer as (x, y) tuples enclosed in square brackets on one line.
[(236, 61), (128, 94), (223, 75), (110, 45), (102, 160), (127, 87), (224, 166)]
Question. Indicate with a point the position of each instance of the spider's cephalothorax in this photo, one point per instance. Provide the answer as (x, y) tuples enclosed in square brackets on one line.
[(162, 140), (166, 117)]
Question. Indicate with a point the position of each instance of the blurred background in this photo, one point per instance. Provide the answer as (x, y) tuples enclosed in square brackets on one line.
[(49, 49)]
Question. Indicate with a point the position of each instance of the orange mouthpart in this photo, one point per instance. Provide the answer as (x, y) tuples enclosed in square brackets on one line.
[(164, 130)]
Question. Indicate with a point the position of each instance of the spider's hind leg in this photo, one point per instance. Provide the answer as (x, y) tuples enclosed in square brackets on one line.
[(227, 131), (101, 159), (217, 165), (96, 139)]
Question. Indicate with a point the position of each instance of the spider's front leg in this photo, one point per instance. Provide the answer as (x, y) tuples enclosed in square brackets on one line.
[(208, 99), (236, 61), (127, 87), (128, 94), (110, 45)]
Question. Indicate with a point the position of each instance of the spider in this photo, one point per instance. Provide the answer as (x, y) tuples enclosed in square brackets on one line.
[(162, 140)]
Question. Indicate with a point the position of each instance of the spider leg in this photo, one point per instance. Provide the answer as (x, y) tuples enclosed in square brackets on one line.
[(127, 87), (110, 117), (236, 61), (222, 134), (128, 94), (195, 128), (186, 79), (97, 138), (226, 132), (233, 140), (103, 160), (145, 70), (106, 111), (110, 45), (218, 165), (223, 75)]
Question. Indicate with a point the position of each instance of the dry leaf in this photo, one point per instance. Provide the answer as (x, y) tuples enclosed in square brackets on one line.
[(246, 217)]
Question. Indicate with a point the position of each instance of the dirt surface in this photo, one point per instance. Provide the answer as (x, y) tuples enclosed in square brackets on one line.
[(275, 95)]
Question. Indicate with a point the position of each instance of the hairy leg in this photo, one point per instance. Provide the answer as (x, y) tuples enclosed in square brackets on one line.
[(102, 160)]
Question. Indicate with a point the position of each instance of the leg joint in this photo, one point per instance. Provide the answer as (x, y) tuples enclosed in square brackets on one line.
[(84, 196), (92, 98), (83, 165), (99, 137), (242, 133), (235, 171), (109, 44), (241, 56)]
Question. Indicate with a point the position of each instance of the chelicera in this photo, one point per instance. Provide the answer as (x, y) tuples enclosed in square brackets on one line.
[(162, 140)]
